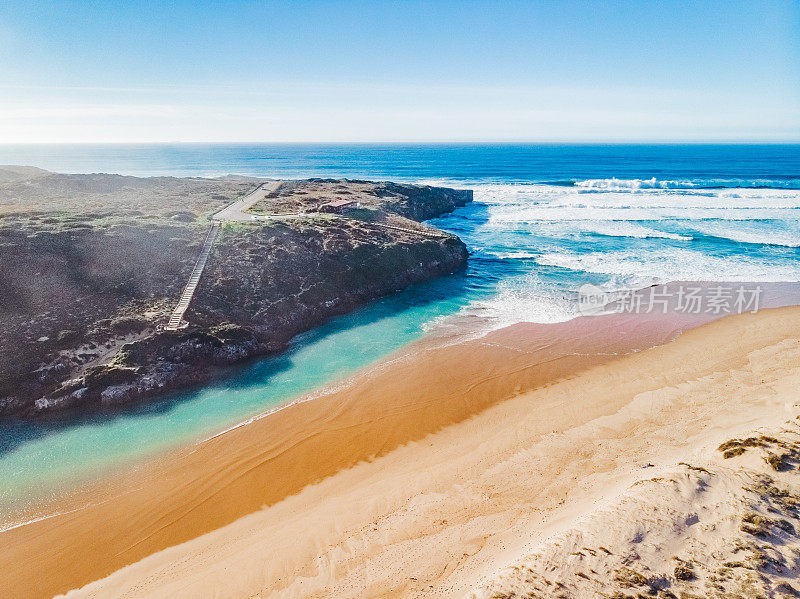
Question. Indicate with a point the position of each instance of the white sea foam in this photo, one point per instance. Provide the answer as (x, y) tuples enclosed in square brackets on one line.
[(514, 255), (770, 233), (534, 203), (674, 264), (628, 229), (526, 299), (633, 185), (549, 225), (577, 228), (11, 525), (538, 214)]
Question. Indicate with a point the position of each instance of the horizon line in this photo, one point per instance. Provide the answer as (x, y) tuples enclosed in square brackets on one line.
[(754, 141)]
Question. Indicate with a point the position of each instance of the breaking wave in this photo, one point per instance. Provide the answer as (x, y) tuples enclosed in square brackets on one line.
[(614, 184), (664, 265)]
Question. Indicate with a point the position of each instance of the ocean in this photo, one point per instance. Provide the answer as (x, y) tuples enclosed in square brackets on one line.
[(546, 220)]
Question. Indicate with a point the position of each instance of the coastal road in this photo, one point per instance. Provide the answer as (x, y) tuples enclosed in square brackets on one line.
[(238, 210)]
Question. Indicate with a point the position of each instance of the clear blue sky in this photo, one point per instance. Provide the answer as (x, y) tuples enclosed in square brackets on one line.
[(399, 71)]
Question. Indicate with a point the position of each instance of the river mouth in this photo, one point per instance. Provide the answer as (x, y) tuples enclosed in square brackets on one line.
[(42, 461), (423, 388), (460, 363), (532, 247), (545, 223)]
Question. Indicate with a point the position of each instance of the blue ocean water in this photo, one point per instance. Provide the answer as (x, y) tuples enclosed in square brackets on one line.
[(474, 163), (546, 219)]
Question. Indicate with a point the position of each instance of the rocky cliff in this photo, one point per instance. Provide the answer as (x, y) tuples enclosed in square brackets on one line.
[(87, 290)]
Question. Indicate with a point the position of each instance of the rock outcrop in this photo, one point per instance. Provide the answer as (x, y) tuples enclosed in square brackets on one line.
[(86, 294)]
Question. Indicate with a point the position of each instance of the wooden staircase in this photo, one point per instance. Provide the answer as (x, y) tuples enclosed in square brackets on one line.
[(176, 319)]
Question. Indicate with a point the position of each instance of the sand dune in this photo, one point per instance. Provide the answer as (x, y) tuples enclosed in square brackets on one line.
[(447, 514), (713, 528)]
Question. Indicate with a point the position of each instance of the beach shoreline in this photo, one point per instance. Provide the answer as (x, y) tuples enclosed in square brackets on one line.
[(464, 503), (204, 487)]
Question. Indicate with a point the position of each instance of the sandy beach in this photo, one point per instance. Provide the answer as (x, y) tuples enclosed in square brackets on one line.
[(400, 300), (208, 485), (322, 498), (443, 516)]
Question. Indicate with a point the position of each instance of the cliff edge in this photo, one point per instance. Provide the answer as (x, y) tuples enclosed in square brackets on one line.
[(92, 266)]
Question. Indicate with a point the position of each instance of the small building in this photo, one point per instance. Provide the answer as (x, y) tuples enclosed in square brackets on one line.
[(336, 206)]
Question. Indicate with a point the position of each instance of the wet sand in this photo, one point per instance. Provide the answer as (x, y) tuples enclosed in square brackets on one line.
[(208, 486), (450, 513)]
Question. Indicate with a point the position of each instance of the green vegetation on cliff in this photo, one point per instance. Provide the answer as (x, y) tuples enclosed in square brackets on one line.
[(92, 265)]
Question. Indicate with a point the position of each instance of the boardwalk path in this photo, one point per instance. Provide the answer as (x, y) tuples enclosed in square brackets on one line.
[(233, 212), (188, 291), (237, 211)]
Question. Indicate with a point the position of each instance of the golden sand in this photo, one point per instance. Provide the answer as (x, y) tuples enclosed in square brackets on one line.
[(445, 515), (365, 454), (206, 486)]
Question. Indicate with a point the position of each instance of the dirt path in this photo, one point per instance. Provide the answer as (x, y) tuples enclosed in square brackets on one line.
[(238, 210)]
